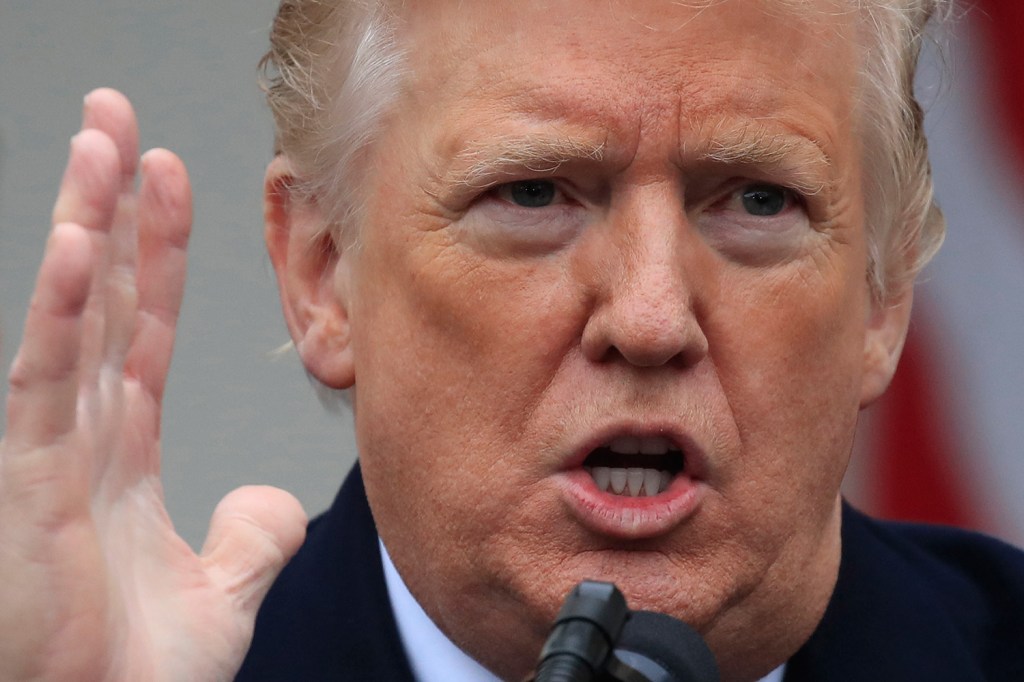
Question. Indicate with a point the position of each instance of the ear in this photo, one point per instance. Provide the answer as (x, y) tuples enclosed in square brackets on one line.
[(312, 277), (887, 326)]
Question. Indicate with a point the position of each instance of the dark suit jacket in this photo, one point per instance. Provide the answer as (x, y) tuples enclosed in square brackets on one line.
[(913, 603)]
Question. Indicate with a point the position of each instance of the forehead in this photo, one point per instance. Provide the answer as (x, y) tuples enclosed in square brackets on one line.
[(620, 67), (448, 35)]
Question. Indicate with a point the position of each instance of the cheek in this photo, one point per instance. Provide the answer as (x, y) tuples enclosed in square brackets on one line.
[(465, 336), (788, 352), (453, 353)]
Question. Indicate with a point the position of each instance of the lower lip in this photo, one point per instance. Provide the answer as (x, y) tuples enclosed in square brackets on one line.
[(629, 518)]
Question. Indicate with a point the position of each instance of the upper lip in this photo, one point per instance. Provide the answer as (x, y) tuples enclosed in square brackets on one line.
[(692, 452)]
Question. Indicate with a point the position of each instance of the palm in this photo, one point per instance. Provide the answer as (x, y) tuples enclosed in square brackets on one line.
[(95, 583)]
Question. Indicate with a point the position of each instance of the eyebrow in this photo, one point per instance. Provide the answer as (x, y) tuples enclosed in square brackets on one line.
[(803, 161), (479, 162)]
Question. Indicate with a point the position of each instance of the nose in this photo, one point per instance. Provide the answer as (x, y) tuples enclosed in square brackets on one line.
[(646, 311)]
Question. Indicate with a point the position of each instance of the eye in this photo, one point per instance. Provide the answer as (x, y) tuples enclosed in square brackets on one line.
[(525, 217), (529, 193), (756, 223), (765, 200)]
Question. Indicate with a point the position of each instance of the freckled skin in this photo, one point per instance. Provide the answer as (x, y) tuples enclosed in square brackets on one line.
[(479, 366)]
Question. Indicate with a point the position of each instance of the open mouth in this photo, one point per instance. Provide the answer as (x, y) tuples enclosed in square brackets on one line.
[(633, 466)]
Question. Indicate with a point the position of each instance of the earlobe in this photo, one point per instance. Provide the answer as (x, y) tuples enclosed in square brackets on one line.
[(312, 277), (883, 343)]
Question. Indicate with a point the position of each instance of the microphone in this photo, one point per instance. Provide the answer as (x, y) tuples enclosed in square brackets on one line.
[(654, 647), (583, 634), (596, 638)]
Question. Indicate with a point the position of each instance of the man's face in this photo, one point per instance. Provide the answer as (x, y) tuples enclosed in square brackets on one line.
[(607, 240)]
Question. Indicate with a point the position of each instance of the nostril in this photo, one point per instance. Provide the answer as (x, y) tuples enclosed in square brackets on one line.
[(643, 342)]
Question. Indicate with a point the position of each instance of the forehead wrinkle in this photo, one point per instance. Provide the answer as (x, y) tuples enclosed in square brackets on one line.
[(479, 161), (806, 163)]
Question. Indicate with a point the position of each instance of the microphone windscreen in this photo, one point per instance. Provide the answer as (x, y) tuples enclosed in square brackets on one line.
[(671, 643)]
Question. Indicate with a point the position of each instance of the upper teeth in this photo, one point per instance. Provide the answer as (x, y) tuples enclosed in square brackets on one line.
[(632, 480), (646, 445)]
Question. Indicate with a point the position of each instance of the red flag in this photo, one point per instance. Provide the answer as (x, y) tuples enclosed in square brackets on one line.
[(936, 450)]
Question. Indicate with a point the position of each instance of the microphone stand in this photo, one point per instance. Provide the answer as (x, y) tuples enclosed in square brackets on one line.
[(596, 638)]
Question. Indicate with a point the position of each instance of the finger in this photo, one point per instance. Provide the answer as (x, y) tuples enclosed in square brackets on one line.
[(120, 297), (165, 221), (110, 112), (89, 197), (88, 190), (45, 375), (42, 400), (254, 532)]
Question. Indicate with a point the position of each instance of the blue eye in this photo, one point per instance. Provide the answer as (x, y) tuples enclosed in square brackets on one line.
[(530, 193), (764, 200)]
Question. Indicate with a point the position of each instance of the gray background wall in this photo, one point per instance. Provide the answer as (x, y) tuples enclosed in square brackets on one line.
[(234, 415)]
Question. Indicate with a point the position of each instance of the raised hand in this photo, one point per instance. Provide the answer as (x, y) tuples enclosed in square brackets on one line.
[(94, 582)]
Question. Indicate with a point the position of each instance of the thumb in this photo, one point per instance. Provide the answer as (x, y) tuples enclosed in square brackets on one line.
[(254, 531)]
